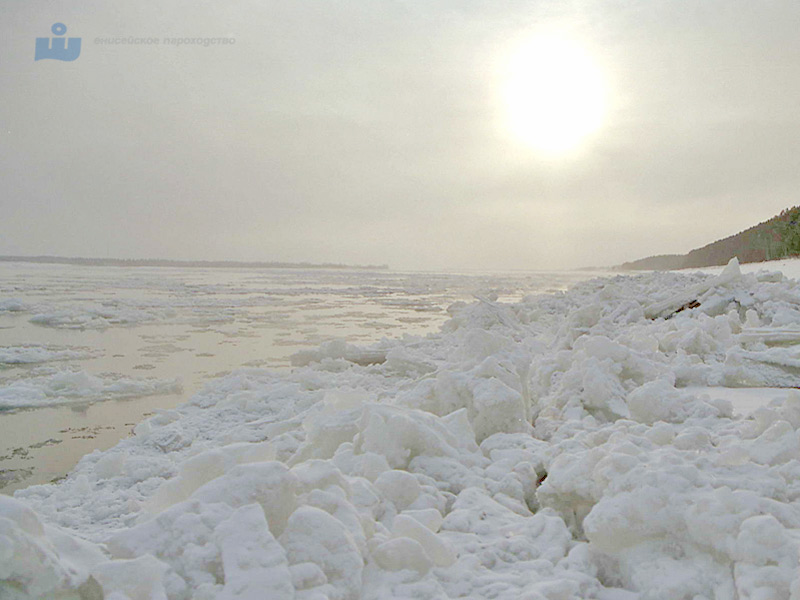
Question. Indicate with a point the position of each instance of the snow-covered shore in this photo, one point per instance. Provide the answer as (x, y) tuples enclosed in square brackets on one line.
[(573, 445)]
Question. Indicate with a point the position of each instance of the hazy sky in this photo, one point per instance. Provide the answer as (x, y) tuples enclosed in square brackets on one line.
[(379, 131)]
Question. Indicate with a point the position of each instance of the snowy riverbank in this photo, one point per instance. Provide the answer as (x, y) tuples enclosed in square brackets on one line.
[(574, 445)]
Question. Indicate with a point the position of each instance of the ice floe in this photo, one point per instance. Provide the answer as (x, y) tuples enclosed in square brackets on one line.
[(33, 354), (51, 386), (12, 305), (87, 316)]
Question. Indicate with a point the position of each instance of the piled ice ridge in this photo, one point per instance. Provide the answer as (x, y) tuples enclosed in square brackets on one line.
[(548, 449)]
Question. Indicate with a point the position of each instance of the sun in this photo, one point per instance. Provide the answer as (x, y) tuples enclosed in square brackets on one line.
[(553, 94)]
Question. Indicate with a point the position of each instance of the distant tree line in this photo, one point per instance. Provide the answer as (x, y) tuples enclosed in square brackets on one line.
[(775, 238)]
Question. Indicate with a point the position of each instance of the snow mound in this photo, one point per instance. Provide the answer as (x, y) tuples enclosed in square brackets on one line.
[(555, 448)]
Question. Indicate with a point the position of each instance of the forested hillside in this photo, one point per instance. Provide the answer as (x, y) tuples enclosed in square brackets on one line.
[(775, 238)]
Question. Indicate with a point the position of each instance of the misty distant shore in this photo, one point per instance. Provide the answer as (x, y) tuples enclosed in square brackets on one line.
[(158, 262)]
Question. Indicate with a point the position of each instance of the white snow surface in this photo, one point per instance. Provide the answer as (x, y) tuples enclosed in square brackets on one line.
[(563, 447)]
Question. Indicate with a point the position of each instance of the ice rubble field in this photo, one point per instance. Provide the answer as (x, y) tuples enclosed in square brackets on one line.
[(560, 447)]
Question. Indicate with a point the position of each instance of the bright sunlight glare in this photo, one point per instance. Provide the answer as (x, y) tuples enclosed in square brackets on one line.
[(554, 94)]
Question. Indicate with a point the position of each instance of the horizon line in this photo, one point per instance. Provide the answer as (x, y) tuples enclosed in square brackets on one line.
[(171, 262)]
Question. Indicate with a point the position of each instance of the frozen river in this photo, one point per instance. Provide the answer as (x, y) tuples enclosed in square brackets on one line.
[(633, 438), (88, 352)]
